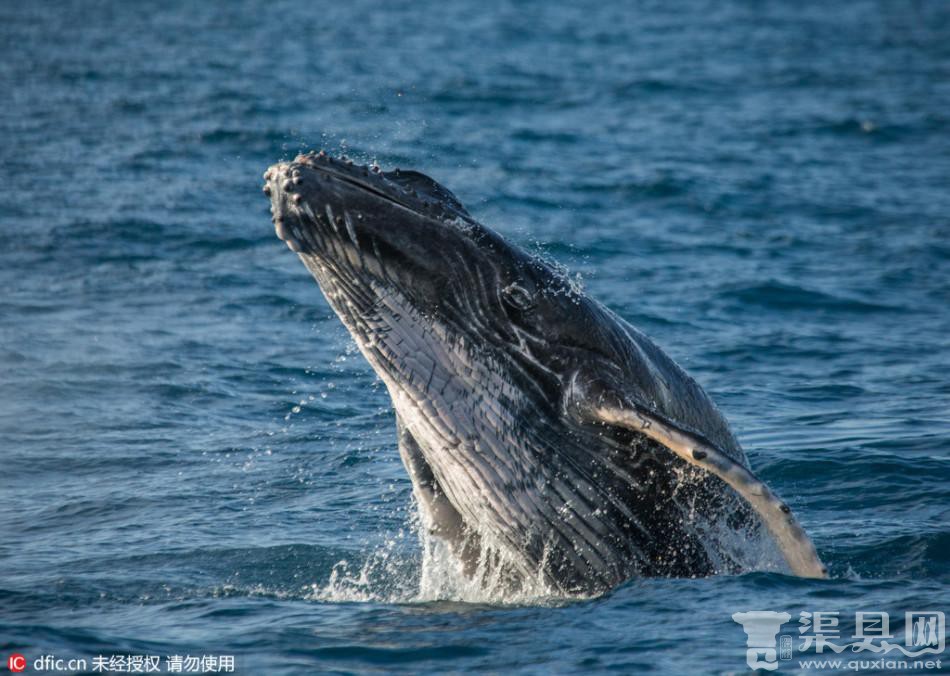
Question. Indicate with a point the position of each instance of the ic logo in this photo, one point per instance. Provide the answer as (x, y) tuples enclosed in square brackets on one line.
[(16, 662)]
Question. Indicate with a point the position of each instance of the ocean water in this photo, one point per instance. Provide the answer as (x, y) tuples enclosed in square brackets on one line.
[(197, 461)]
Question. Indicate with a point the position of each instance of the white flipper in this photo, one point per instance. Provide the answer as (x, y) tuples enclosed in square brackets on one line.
[(793, 542)]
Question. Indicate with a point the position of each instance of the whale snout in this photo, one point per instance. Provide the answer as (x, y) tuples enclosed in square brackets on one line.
[(316, 189), (280, 181), (305, 192)]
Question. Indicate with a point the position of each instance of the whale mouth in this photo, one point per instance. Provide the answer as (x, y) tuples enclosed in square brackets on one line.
[(316, 184), (368, 178), (368, 235)]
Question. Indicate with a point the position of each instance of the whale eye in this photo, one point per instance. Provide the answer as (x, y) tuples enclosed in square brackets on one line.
[(517, 297)]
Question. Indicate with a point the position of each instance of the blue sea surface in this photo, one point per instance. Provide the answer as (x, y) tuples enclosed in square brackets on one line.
[(196, 460)]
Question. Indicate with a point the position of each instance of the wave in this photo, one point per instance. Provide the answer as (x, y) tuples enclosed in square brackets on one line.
[(782, 296)]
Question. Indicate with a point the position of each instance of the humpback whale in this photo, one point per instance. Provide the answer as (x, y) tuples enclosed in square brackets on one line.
[(547, 440)]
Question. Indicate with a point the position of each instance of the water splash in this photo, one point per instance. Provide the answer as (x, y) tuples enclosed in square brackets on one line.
[(429, 572)]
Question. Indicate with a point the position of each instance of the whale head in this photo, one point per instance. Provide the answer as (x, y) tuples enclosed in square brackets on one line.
[(392, 247)]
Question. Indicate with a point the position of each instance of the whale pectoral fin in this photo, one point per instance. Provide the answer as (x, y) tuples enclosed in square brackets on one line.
[(613, 409), (439, 515)]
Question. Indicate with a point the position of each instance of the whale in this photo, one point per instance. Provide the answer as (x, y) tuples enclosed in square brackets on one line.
[(550, 444)]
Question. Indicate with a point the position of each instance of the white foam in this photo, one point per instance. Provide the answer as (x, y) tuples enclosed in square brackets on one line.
[(396, 573)]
